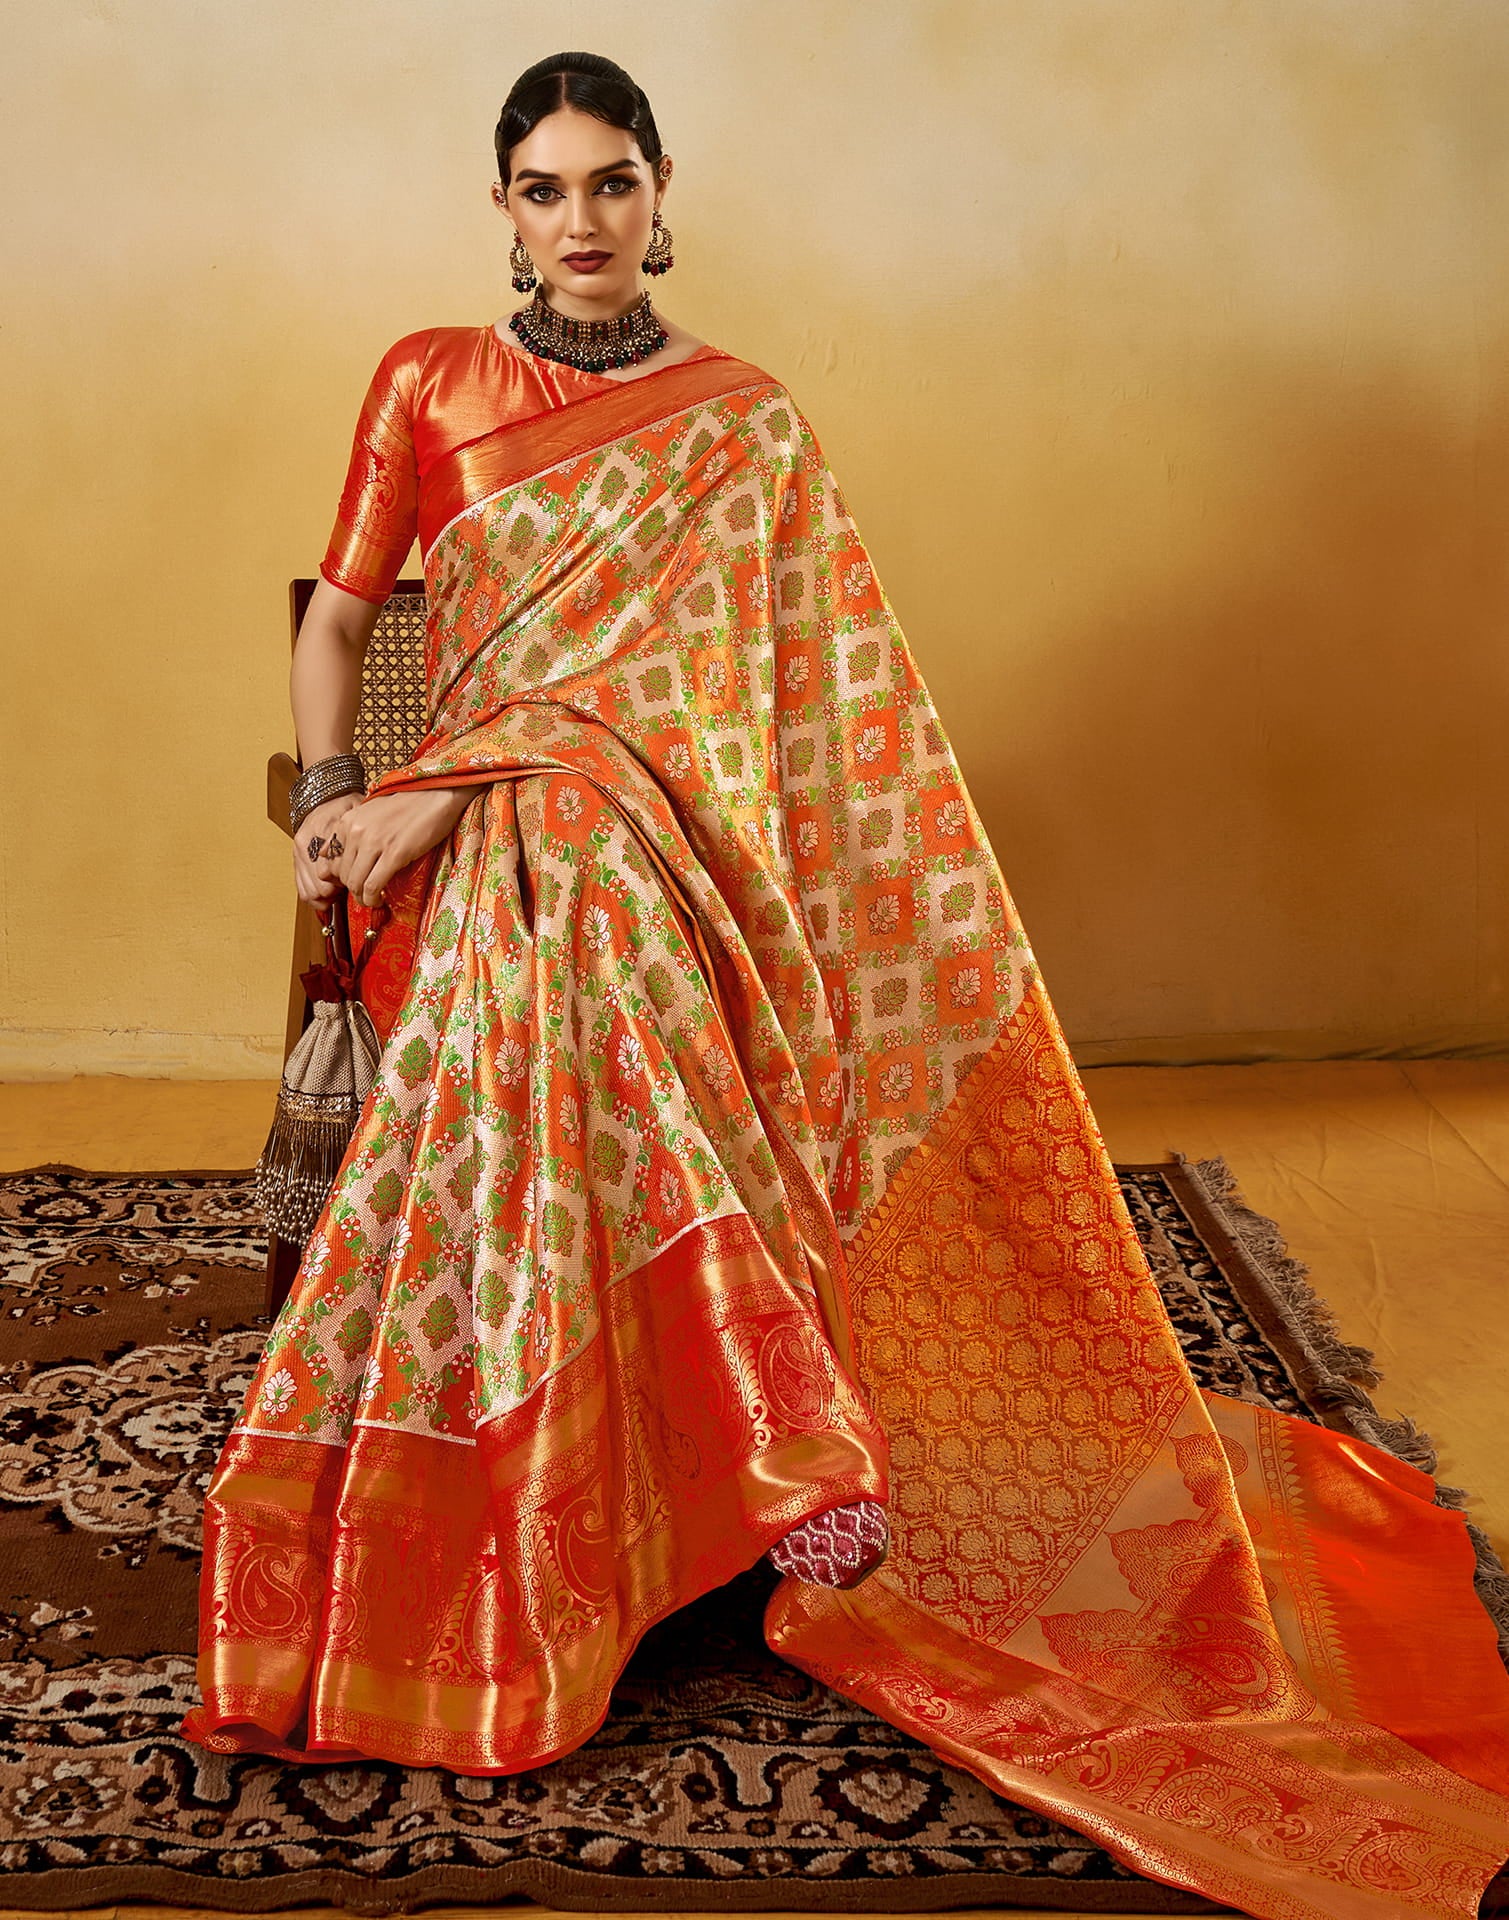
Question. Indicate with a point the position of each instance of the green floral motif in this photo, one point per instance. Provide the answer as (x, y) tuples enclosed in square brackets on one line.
[(660, 985), (608, 1158), (651, 527), (412, 1063), (864, 660), (491, 1299), (444, 933), (439, 1321), (890, 997), (462, 1181), (557, 1227), (354, 1334), (386, 1195)]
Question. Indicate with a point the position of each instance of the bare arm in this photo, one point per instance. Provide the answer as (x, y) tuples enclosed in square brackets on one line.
[(324, 682), (350, 841)]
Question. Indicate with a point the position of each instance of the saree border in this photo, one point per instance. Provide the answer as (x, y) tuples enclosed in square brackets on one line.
[(524, 450)]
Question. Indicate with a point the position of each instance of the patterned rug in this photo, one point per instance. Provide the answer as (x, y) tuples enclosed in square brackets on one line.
[(722, 1779)]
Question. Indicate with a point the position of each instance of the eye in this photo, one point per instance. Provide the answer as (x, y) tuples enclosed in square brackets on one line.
[(620, 180), (533, 193)]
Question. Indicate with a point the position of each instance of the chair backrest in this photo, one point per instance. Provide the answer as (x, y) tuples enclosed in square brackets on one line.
[(391, 719)]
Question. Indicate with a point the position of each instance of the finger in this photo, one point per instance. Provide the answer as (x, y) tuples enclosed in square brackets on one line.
[(376, 884), (355, 865), (328, 863), (375, 880)]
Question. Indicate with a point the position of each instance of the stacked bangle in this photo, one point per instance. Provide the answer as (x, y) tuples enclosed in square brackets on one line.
[(325, 780)]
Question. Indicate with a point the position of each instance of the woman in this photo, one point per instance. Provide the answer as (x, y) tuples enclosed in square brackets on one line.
[(726, 1171)]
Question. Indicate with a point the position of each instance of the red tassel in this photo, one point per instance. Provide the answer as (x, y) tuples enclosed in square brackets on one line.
[(330, 980)]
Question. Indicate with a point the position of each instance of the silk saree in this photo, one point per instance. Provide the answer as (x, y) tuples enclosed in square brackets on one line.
[(726, 1163)]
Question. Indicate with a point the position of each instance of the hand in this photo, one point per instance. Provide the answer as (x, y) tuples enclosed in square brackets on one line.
[(316, 848), (381, 835)]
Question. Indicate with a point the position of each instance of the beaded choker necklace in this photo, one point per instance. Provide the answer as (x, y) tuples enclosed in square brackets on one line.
[(590, 345)]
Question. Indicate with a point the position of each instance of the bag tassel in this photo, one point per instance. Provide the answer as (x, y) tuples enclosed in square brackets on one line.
[(326, 1080)]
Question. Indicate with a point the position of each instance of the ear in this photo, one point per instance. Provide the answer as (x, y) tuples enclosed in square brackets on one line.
[(500, 196), (663, 171)]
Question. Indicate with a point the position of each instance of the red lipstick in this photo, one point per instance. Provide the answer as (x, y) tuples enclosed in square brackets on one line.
[(585, 262)]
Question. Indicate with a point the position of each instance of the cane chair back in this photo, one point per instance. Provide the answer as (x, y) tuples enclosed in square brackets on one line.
[(390, 720), (390, 723)]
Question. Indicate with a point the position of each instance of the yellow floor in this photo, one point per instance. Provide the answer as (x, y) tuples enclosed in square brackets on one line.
[(1390, 1181)]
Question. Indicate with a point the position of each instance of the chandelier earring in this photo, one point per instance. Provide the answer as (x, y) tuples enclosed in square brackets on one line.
[(658, 257), (523, 266), (518, 257)]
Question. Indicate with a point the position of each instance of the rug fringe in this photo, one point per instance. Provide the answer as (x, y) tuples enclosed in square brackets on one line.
[(1343, 1370)]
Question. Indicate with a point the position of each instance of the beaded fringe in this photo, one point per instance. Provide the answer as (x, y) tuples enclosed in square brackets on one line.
[(325, 1082)]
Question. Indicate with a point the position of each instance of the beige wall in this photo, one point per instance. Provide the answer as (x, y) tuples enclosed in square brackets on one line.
[(1160, 344)]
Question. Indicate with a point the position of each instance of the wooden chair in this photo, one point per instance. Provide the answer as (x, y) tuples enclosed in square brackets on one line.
[(390, 723)]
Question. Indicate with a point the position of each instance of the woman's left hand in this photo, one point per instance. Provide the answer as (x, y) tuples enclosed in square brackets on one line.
[(380, 835)]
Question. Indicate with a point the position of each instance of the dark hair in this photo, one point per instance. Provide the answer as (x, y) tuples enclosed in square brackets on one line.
[(585, 81)]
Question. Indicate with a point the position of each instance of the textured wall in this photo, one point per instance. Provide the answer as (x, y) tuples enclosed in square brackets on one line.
[(1160, 345)]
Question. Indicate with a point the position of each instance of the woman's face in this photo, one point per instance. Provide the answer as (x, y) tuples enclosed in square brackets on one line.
[(578, 188)]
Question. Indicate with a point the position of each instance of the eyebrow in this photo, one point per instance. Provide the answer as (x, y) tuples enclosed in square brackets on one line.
[(533, 173)]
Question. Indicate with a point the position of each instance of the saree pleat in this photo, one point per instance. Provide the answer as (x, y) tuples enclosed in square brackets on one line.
[(726, 1163), (467, 1586)]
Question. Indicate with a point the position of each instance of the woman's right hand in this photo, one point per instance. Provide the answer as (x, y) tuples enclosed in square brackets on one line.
[(317, 848)]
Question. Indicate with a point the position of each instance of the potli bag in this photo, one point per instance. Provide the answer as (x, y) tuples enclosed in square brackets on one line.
[(326, 1078)]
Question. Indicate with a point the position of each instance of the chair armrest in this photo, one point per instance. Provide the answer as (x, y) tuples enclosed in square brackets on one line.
[(282, 771)]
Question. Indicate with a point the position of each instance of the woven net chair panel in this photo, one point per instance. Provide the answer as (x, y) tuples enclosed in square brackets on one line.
[(391, 719)]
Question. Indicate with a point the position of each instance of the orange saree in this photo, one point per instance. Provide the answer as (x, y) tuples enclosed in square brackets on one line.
[(726, 1163)]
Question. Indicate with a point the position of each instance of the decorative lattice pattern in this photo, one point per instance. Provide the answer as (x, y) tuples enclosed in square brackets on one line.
[(391, 720)]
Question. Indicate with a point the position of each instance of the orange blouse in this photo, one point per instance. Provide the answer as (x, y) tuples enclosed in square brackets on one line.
[(434, 391)]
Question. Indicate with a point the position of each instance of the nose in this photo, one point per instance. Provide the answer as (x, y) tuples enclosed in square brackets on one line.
[(580, 223)]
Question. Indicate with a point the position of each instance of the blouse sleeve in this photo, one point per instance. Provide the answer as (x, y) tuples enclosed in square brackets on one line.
[(378, 515)]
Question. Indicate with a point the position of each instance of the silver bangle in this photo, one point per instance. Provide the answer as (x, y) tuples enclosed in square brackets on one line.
[(327, 779)]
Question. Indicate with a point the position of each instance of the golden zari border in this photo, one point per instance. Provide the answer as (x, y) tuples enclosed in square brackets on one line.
[(373, 1606)]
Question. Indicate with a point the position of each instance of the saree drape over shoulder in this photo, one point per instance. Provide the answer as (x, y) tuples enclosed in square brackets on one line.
[(726, 1163)]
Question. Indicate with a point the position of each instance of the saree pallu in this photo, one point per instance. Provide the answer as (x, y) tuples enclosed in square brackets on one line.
[(725, 1163)]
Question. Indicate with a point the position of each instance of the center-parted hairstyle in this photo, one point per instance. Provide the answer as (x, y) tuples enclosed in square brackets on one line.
[(585, 81)]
